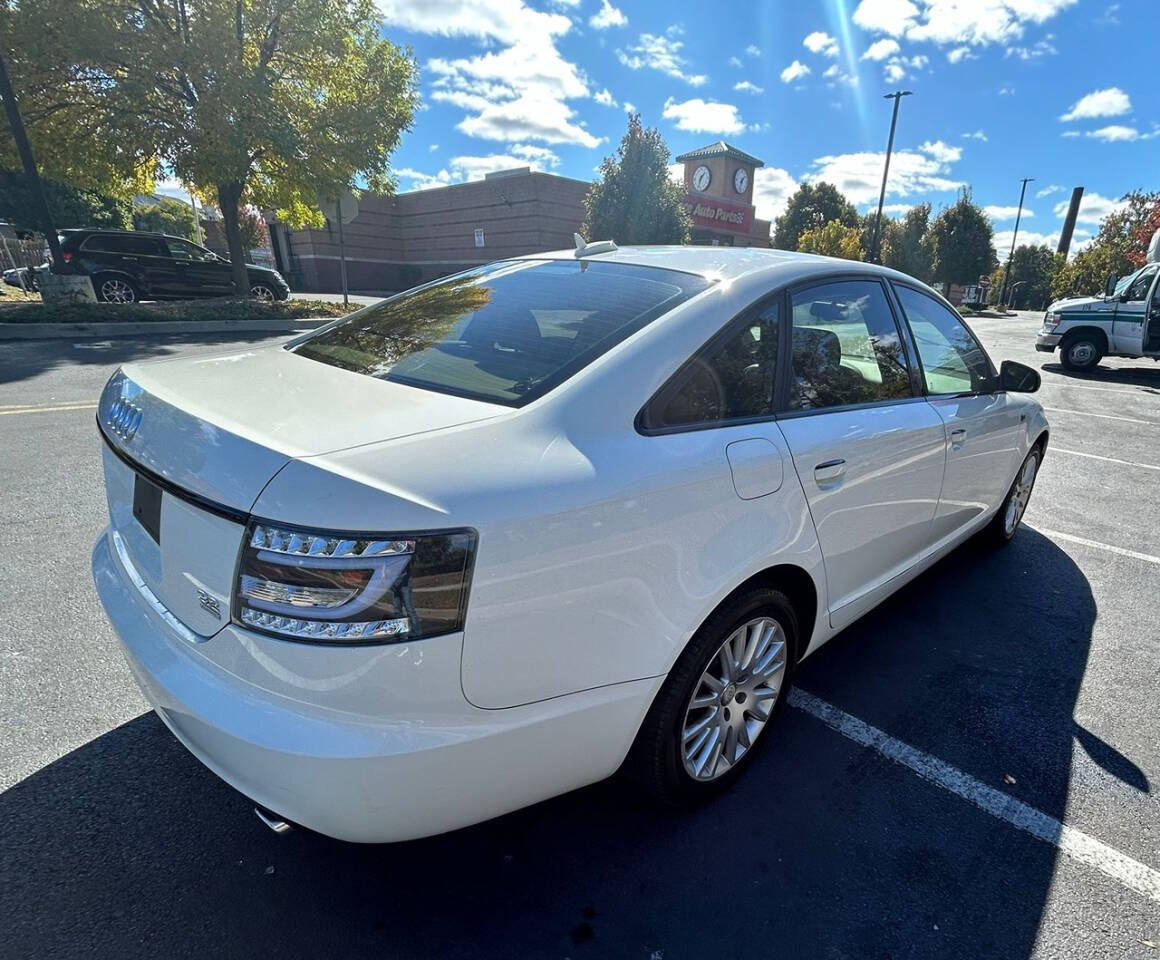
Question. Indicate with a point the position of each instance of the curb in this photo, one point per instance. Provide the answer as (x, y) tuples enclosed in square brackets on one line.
[(53, 331)]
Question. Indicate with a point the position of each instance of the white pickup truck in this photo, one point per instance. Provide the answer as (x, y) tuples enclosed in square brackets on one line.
[(1125, 322)]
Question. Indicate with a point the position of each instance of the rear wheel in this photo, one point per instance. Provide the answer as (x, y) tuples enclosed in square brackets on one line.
[(1081, 352), (719, 701), (110, 288), (1004, 524)]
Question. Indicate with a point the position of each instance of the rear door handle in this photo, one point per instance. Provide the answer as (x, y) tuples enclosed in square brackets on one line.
[(958, 436), (829, 471)]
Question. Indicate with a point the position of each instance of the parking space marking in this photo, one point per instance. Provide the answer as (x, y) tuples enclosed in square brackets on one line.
[(13, 410), (1078, 845), (1096, 456), (1124, 391), (1102, 416), (1084, 541)]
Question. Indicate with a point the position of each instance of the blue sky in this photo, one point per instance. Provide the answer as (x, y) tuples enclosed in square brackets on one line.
[(1060, 90)]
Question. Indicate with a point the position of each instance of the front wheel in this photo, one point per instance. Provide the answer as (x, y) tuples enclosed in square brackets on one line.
[(115, 289), (1081, 353), (719, 701), (1002, 528), (260, 291)]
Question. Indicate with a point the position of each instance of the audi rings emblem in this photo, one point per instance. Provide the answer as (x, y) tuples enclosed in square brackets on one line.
[(123, 419)]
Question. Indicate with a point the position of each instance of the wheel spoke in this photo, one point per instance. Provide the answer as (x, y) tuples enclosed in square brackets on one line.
[(708, 720), (711, 750)]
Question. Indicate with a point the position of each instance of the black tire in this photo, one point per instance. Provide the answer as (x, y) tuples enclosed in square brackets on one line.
[(105, 286), (1081, 352), (656, 762), (997, 532)]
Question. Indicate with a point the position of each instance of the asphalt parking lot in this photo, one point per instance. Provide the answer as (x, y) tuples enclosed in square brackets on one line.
[(973, 771)]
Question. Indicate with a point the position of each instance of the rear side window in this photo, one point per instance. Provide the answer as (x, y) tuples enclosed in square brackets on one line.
[(845, 347), (124, 243), (506, 333), (730, 379), (952, 360)]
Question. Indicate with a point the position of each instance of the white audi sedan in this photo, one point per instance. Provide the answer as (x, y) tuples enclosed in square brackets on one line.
[(496, 537)]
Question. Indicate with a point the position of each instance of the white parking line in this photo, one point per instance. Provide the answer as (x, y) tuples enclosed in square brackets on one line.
[(1075, 843), (1126, 390), (11, 411), (1084, 541), (1096, 456), (1102, 416)]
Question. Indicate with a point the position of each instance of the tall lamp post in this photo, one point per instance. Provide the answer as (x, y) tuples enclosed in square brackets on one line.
[(896, 97), (1011, 255)]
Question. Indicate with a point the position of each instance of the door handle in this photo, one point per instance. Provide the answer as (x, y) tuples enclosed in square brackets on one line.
[(829, 471), (958, 436)]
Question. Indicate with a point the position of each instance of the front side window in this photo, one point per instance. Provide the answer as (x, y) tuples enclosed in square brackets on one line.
[(731, 379), (1138, 286), (952, 360), (845, 347), (184, 250), (506, 333)]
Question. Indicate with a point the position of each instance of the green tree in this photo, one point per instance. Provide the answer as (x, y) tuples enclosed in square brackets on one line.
[(634, 201), (832, 240), (71, 206), (263, 102), (906, 246), (167, 215), (961, 239), (1119, 248), (1033, 269), (811, 206)]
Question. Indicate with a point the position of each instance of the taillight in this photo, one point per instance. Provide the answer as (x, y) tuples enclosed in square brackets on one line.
[(66, 256), (325, 587)]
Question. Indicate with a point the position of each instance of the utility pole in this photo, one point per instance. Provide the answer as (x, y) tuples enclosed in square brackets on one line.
[(24, 149), (1014, 236), (896, 97)]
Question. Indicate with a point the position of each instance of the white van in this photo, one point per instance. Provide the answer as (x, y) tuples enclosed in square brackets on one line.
[(1125, 322)]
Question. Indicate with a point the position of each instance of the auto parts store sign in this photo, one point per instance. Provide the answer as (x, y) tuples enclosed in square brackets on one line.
[(718, 215)]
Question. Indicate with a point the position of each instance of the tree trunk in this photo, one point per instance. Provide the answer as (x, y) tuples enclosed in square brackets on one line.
[(229, 195)]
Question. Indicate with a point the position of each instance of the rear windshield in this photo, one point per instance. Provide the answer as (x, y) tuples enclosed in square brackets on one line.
[(506, 333)]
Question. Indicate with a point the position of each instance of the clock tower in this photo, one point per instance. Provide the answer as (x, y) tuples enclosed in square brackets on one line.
[(719, 196)]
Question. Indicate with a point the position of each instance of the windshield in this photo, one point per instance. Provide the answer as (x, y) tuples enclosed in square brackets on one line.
[(506, 333)]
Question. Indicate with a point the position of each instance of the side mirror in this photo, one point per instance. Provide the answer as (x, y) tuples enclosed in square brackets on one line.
[(1110, 286), (1018, 377)]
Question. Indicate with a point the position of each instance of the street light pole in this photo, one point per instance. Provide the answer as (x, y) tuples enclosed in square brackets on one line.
[(1014, 236), (896, 97)]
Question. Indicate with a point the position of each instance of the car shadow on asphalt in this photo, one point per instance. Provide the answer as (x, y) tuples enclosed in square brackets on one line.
[(24, 359), (128, 847), (1130, 376)]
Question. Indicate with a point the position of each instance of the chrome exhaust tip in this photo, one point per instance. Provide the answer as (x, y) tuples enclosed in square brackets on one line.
[(272, 820)]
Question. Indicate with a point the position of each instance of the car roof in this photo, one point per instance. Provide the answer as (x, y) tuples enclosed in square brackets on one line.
[(730, 263)]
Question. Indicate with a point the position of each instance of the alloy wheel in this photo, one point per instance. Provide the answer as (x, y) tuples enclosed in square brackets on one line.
[(734, 699), (1020, 495), (117, 291), (261, 292)]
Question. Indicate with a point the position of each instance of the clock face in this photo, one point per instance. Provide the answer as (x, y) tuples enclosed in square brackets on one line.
[(701, 178), (741, 181)]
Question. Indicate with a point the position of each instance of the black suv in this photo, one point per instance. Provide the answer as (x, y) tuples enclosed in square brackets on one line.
[(129, 266)]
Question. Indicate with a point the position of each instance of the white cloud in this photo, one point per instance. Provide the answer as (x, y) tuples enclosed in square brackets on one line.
[(753, 51), (605, 97), (701, 116), (465, 168), (517, 89), (794, 71), (1092, 208), (1042, 48), (1006, 91), (607, 16), (898, 67), (1110, 16), (772, 188), (996, 212), (881, 49), (661, 52), (1002, 241), (735, 62), (1115, 133), (677, 173), (974, 23), (977, 135), (746, 87), (1109, 102), (893, 209), (956, 54), (859, 175), (629, 107), (821, 42), (432, 147), (1047, 191)]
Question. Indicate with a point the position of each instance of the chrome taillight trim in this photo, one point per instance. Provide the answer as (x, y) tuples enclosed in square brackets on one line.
[(326, 629), (298, 543)]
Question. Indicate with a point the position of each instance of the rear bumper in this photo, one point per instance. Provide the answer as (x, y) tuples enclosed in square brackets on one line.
[(369, 744), (1047, 342)]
